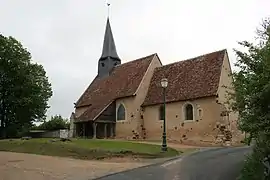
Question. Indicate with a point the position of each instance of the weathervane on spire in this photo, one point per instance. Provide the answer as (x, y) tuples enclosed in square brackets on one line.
[(108, 4)]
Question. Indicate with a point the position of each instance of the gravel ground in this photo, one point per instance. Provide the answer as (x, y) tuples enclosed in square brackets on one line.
[(17, 166)]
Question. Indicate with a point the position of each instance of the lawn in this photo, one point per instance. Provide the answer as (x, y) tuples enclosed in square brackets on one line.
[(86, 148)]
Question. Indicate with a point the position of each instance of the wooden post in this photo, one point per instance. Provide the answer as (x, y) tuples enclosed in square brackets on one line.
[(94, 130), (83, 130), (75, 130), (105, 130), (111, 126)]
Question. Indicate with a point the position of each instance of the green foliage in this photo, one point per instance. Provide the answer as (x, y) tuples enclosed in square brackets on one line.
[(252, 97), (24, 88), (253, 168), (56, 122)]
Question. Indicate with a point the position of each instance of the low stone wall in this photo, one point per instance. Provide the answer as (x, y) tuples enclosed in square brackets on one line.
[(46, 134), (51, 134)]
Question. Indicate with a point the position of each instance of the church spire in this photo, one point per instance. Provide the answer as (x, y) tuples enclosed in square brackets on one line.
[(109, 48), (109, 57)]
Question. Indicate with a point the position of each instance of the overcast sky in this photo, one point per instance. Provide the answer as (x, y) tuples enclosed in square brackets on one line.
[(66, 36)]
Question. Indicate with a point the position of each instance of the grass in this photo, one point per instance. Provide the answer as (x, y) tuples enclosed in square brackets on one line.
[(86, 148)]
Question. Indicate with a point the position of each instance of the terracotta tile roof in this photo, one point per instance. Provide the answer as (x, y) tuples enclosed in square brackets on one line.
[(189, 79), (122, 82)]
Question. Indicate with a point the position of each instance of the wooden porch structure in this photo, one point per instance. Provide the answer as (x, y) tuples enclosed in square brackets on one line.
[(102, 127), (95, 129)]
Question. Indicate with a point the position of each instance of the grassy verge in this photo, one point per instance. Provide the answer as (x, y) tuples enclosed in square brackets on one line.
[(86, 149), (253, 167)]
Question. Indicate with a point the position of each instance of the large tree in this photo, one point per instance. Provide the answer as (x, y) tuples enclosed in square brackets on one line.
[(252, 97), (24, 88)]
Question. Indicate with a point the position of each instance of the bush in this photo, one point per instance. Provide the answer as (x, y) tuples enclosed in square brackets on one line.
[(56, 122), (253, 167), (252, 99)]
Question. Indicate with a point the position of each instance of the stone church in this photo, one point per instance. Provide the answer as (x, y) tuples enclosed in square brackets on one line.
[(125, 101)]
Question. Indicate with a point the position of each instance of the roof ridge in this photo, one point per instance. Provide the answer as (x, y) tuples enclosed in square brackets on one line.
[(80, 98), (137, 59), (194, 58)]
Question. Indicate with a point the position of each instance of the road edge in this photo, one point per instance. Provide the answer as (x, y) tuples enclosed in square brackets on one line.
[(160, 162)]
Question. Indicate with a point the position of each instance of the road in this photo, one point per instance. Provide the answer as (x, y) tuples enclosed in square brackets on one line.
[(211, 164)]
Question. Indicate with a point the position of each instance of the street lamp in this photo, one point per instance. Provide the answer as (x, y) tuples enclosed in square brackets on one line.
[(164, 84)]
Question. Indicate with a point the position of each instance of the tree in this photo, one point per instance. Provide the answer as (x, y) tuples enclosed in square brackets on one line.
[(252, 97), (24, 88), (55, 123)]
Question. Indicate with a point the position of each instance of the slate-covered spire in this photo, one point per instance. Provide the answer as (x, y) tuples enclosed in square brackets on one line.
[(109, 49), (109, 57)]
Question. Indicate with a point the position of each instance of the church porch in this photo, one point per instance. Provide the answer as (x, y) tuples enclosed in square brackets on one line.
[(93, 130)]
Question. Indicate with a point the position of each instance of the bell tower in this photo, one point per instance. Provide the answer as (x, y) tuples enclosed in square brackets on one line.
[(109, 57)]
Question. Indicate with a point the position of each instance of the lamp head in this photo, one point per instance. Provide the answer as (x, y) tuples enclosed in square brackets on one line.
[(164, 82)]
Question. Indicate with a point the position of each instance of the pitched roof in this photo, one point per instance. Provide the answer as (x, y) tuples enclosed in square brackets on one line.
[(190, 79), (122, 82)]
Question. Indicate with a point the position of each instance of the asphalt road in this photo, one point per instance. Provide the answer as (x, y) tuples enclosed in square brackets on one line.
[(211, 164)]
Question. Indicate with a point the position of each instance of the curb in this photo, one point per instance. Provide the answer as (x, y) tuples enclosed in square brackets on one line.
[(167, 160), (157, 163), (163, 161), (145, 166)]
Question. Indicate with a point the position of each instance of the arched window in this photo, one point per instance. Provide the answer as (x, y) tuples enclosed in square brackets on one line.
[(161, 112), (189, 112), (121, 112)]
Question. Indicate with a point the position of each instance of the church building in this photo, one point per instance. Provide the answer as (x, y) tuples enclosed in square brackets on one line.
[(125, 100)]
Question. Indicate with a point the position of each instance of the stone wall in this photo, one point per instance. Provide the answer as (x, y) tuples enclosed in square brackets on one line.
[(228, 117), (201, 128), (46, 134), (132, 126)]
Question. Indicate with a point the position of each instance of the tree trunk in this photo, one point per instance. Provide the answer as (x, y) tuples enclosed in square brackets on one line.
[(2, 127), (3, 124)]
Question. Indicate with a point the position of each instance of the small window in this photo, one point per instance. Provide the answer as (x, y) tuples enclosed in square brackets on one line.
[(200, 112), (188, 112), (161, 112), (102, 64), (121, 113)]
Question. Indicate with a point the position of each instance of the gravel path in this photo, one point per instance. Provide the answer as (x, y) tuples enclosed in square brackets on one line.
[(17, 166)]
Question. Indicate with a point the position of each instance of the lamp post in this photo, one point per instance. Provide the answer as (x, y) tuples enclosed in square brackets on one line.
[(164, 84)]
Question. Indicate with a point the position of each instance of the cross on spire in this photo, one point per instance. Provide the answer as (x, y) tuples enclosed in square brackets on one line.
[(108, 5)]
